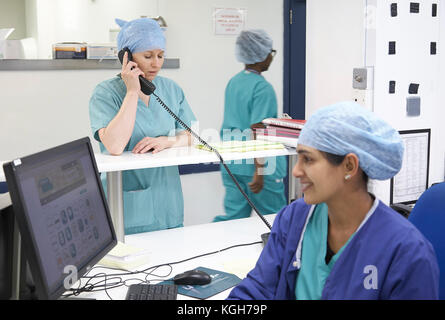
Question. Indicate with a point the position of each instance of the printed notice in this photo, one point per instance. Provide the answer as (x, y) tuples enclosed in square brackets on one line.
[(412, 179), (229, 21)]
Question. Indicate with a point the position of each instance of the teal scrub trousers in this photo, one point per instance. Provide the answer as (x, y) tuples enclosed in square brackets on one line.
[(269, 200)]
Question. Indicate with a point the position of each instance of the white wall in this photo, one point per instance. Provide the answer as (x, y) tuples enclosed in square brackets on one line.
[(83, 20), (334, 46), (12, 13), (208, 61), (412, 63), (42, 109)]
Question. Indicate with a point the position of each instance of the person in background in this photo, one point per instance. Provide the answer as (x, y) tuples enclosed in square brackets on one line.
[(340, 241), (125, 119), (249, 99)]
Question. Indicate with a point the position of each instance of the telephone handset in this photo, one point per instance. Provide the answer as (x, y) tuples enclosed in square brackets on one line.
[(147, 87)]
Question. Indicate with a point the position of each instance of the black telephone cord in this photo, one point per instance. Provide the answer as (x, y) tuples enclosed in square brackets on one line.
[(221, 160)]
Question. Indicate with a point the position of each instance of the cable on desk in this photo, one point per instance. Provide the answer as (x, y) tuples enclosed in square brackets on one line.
[(218, 251), (126, 272), (93, 287)]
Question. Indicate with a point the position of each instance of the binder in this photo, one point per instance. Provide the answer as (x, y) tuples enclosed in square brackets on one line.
[(287, 123)]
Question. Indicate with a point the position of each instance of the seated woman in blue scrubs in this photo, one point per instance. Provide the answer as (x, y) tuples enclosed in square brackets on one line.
[(124, 119), (340, 241)]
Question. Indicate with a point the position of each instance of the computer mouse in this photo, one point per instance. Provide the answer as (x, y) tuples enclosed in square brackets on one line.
[(192, 277)]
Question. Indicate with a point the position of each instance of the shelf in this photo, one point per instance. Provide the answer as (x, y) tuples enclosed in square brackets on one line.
[(70, 64)]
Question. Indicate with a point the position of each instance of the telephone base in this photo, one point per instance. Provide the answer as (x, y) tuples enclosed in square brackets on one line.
[(265, 237)]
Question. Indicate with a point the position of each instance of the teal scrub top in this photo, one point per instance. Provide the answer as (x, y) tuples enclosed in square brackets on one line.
[(314, 271), (153, 197), (249, 98)]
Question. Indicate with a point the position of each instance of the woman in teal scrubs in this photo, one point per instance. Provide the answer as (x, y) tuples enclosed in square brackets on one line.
[(249, 99), (124, 119)]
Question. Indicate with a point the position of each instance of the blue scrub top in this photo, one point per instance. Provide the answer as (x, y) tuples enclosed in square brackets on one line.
[(387, 258), (153, 197), (314, 270), (249, 99)]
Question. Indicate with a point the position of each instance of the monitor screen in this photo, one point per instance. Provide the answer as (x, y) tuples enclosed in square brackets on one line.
[(62, 213)]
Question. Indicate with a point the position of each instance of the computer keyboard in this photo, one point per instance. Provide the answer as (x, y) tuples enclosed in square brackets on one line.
[(152, 292)]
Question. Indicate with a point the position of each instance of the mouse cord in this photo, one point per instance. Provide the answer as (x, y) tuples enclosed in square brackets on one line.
[(91, 287)]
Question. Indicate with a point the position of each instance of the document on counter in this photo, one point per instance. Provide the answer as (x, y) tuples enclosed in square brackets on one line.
[(125, 256), (243, 146)]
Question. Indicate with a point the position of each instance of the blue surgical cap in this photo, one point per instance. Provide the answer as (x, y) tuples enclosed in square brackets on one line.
[(347, 127), (252, 46), (140, 35)]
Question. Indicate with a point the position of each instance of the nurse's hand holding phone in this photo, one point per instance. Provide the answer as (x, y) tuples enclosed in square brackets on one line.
[(130, 74)]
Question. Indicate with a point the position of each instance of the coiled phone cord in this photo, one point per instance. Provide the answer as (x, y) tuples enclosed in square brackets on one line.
[(221, 160)]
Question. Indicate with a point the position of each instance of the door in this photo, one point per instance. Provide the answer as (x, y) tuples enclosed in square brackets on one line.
[(294, 75), (294, 87)]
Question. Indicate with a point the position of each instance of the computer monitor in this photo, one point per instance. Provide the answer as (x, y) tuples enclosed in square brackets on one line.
[(62, 214), (6, 251), (412, 179)]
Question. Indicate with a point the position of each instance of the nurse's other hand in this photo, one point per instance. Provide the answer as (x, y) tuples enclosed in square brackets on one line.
[(153, 144), (257, 183)]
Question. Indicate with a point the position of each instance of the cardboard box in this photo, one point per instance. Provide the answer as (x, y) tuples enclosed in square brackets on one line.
[(102, 51), (70, 50)]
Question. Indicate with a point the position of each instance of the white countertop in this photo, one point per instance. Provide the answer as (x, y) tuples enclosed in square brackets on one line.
[(2, 174), (178, 244), (176, 156), (5, 200), (171, 157)]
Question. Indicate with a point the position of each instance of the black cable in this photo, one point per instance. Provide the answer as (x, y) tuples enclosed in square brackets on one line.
[(126, 273), (94, 287), (217, 251), (221, 160)]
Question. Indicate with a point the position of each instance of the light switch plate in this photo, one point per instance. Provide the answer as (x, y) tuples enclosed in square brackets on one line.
[(363, 78), (359, 78), (413, 106)]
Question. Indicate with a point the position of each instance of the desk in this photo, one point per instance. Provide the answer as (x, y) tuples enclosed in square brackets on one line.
[(5, 200), (114, 165), (2, 174), (173, 245)]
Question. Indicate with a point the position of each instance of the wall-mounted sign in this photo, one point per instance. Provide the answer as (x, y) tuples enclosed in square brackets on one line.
[(229, 21)]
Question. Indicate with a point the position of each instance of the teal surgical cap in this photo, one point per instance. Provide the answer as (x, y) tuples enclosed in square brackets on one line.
[(347, 127), (253, 46), (140, 35)]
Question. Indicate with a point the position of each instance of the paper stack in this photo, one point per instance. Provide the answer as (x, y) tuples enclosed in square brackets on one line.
[(283, 130), (242, 146), (124, 256)]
